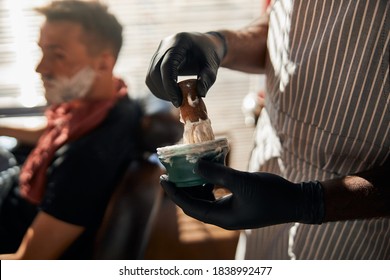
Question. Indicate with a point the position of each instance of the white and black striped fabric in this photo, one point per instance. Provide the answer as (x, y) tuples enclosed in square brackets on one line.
[(328, 104)]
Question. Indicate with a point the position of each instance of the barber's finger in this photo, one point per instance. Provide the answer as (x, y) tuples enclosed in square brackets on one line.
[(170, 66), (153, 77), (206, 78), (169, 187), (196, 208)]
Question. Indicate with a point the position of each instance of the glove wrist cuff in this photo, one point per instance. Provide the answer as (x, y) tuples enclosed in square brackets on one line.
[(313, 210), (222, 39)]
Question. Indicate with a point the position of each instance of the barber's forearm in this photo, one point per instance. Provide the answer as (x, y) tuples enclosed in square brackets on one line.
[(9, 257), (247, 47), (359, 196)]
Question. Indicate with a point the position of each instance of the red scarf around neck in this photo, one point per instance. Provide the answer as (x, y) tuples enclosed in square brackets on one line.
[(65, 122)]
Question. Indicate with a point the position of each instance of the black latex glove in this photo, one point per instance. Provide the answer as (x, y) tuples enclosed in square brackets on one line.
[(185, 54), (257, 199)]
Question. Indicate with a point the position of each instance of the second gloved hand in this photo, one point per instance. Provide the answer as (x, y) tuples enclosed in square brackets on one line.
[(185, 54), (257, 199)]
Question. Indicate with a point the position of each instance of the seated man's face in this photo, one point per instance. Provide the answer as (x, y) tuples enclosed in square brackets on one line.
[(66, 66)]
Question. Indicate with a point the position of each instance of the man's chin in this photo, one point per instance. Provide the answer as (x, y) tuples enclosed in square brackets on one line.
[(50, 100)]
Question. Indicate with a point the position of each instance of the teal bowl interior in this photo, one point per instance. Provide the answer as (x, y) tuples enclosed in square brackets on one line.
[(180, 167)]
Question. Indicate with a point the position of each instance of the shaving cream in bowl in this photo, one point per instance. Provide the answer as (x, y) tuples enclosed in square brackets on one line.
[(180, 160)]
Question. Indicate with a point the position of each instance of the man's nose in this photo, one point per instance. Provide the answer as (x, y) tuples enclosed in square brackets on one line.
[(42, 67)]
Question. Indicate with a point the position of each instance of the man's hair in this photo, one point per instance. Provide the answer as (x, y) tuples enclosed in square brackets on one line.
[(101, 27)]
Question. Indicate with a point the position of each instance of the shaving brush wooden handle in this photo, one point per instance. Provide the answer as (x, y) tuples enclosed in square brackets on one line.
[(193, 108)]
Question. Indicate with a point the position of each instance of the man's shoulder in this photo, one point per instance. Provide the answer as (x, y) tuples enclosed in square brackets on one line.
[(126, 106), (125, 115)]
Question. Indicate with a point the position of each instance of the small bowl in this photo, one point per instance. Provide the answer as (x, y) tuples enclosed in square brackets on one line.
[(180, 160)]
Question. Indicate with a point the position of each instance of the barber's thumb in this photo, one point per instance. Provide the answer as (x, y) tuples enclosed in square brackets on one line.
[(168, 186), (213, 173), (205, 80)]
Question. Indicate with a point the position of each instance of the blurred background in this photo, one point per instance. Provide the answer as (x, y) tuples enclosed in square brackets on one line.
[(145, 23)]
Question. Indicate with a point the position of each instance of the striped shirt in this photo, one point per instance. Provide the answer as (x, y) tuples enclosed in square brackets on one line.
[(327, 115)]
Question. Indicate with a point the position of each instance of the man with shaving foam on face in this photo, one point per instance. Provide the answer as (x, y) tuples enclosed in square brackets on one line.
[(82, 153)]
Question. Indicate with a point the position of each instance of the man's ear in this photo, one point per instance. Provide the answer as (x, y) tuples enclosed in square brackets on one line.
[(106, 62)]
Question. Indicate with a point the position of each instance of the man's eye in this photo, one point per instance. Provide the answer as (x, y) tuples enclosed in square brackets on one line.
[(59, 56)]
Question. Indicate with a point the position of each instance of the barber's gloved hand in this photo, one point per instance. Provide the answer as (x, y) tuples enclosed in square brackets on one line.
[(257, 199), (185, 54)]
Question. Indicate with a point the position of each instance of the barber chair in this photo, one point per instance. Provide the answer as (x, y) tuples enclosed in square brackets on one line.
[(130, 215), (127, 224), (9, 171)]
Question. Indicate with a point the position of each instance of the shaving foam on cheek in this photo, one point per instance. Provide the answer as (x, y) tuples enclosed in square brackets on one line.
[(64, 89)]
